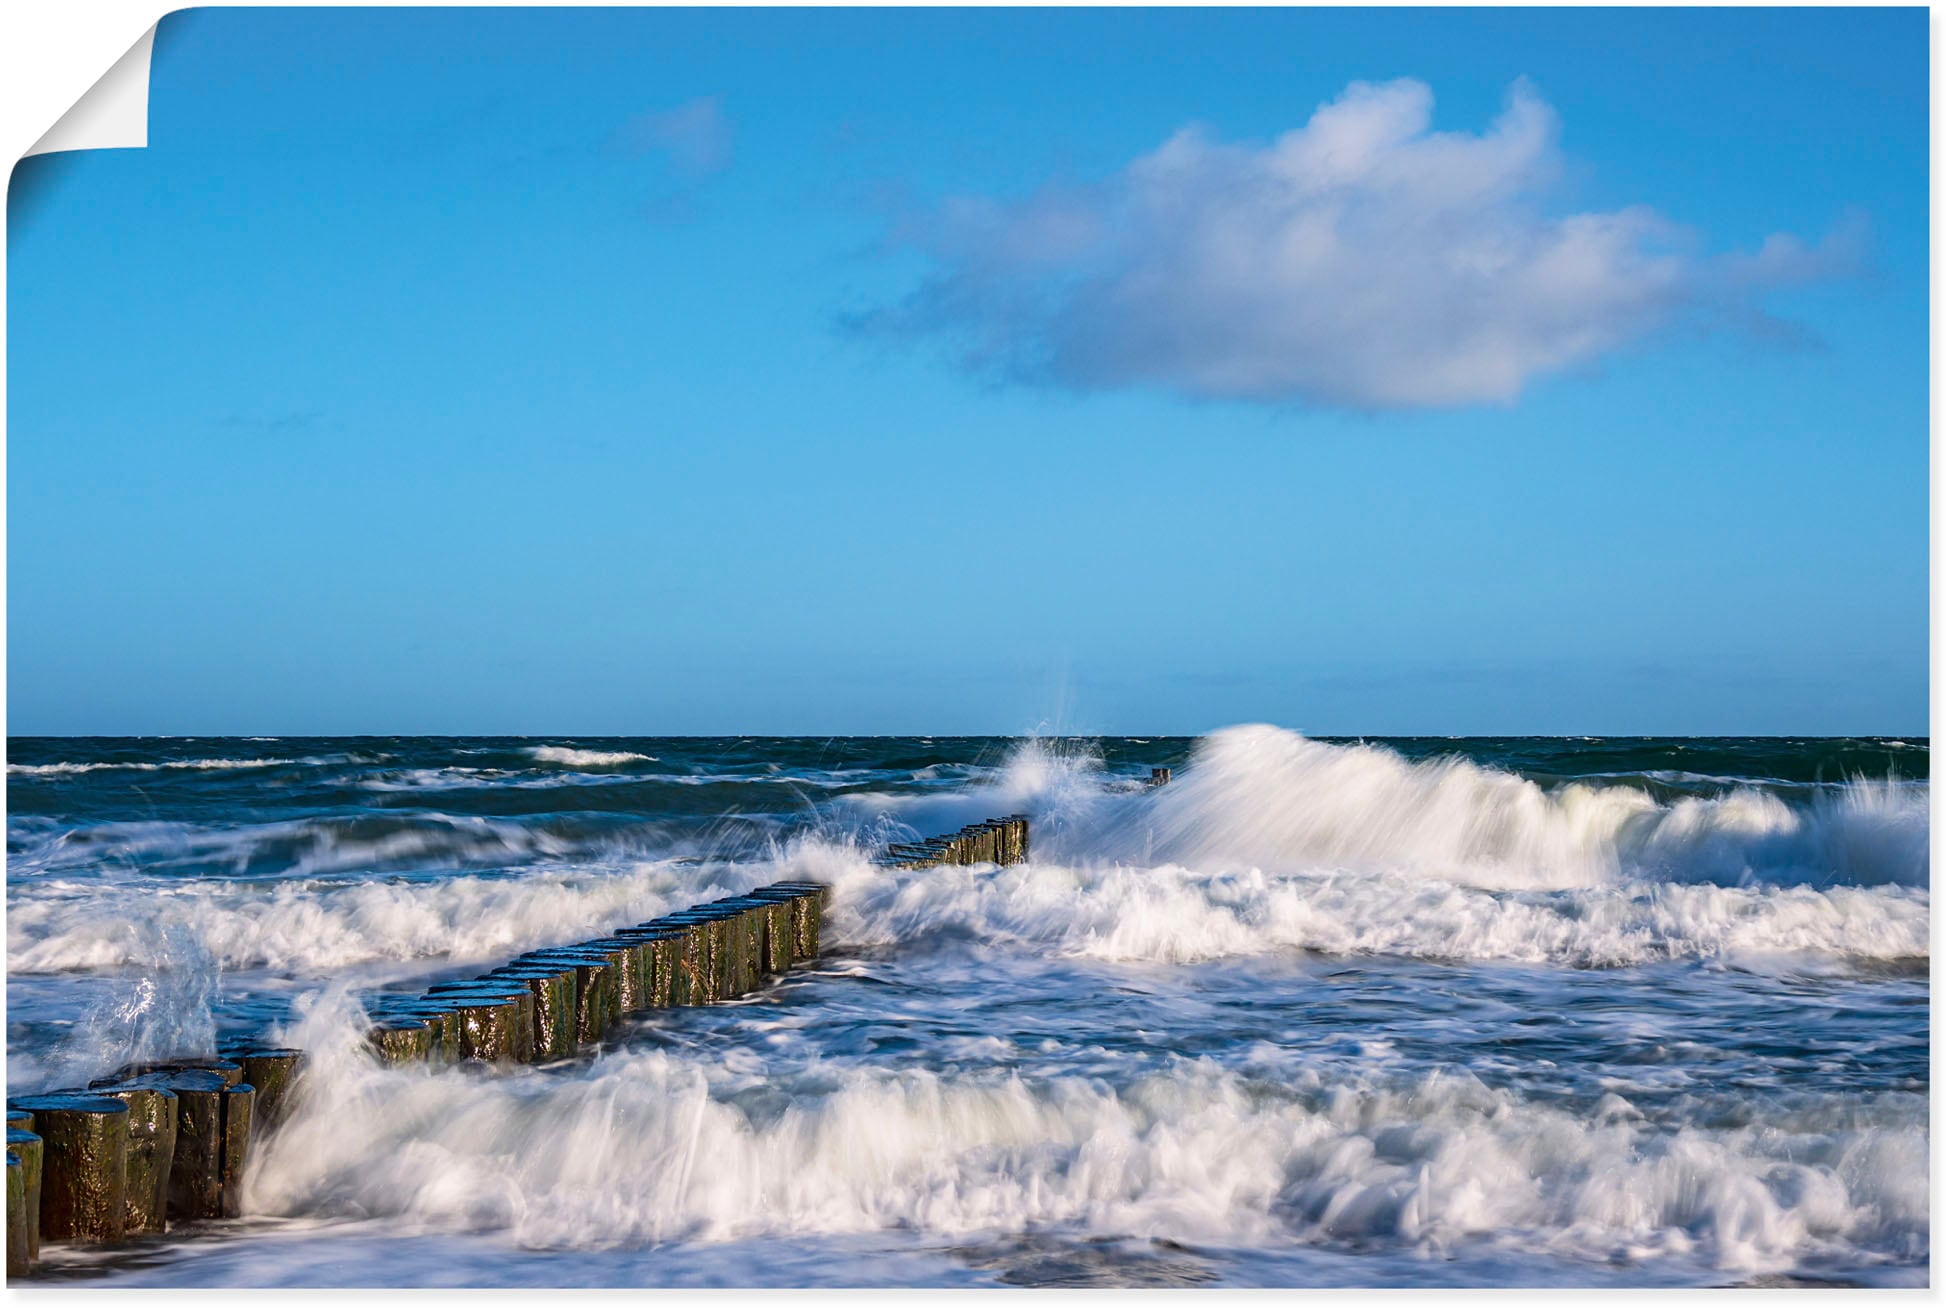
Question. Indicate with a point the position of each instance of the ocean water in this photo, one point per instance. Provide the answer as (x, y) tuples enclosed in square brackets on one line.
[(1605, 1012)]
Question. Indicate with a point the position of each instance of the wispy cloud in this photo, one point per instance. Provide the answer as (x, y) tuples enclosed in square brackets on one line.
[(1362, 260), (695, 137)]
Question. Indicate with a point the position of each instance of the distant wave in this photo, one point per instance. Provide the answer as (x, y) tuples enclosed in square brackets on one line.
[(1262, 797), (193, 764), (585, 758)]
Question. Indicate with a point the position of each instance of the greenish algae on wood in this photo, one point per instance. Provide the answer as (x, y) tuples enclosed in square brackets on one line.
[(84, 1140)]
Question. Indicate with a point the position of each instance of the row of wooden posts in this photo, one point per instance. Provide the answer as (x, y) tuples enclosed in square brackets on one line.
[(163, 1143), (550, 1004), (153, 1144), (998, 840)]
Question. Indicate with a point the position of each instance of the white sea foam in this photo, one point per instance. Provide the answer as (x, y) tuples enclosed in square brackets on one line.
[(585, 758), (650, 1146), (310, 927), (1172, 914)]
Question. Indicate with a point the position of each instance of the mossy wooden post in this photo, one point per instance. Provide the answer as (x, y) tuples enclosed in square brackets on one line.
[(779, 935), (661, 960), (196, 1170), (489, 1028), (401, 1039), (680, 967), (554, 989), (27, 1147), (807, 914), (153, 1122), (702, 963), (441, 1021), (274, 1072), (84, 1141), (743, 925), (732, 946), (238, 1102), (598, 1001), (19, 1263), (521, 1039), (626, 954)]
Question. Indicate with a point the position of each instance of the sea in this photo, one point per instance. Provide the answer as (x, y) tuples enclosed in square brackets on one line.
[(1607, 1012)]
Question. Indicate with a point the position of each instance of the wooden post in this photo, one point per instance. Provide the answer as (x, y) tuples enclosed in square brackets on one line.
[(662, 949), (597, 1000), (84, 1139), (631, 970), (489, 1028), (402, 1039), (521, 1046), (18, 1261), (26, 1146), (238, 1101), (196, 1168), (274, 1072), (153, 1123), (553, 986)]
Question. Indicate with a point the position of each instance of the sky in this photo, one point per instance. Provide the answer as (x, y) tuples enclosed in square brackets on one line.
[(960, 371)]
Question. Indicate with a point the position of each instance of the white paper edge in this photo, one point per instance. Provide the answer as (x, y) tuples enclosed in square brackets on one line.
[(114, 113)]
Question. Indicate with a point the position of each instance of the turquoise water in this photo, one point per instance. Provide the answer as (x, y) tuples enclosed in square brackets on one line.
[(1413, 1012)]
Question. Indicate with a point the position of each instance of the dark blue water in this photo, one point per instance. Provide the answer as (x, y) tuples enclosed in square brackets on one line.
[(1603, 1012)]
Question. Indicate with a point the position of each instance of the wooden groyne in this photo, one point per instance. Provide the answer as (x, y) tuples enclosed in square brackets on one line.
[(555, 1003), (157, 1145), (998, 840)]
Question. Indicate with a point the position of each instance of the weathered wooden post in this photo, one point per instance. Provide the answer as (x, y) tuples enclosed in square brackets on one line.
[(442, 1044), (596, 988), (26, 1146), (705, 964), (401, 1039), (196, 1169), (1159, 776), (84, 1140), (19, 1262), (489, 1028), (153, 1123), (742, 943), (238, 1103), (662, 959), (779, 935), (274, 1072), (521, 1036), (631, 970), (553, 986), (807, 909)]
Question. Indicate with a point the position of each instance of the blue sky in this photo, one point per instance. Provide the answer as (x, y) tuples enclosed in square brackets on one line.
[(955, 371)]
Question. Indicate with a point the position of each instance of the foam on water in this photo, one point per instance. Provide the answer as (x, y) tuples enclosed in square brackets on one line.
[(656, 1147)]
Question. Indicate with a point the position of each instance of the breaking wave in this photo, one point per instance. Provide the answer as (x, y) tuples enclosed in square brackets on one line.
[(657, 1147), (1262, 797)]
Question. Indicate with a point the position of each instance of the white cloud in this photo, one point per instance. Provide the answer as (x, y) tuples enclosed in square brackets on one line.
[(1362, 260)]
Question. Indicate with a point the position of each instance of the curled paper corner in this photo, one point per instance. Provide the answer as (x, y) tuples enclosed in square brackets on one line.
[(114, 113)]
